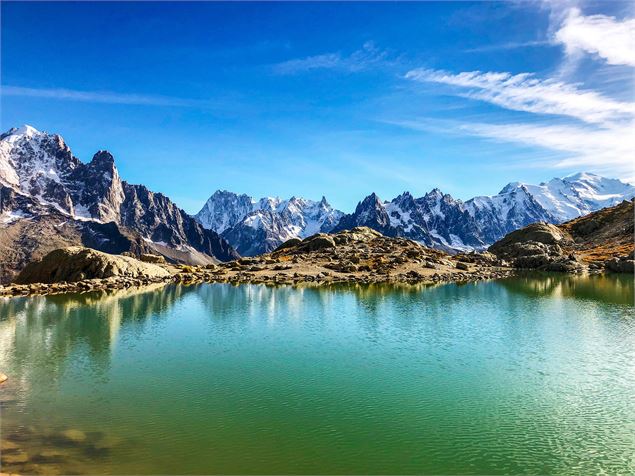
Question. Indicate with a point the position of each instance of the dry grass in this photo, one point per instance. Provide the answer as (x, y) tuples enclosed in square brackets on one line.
[(607, 251), (604, 234)]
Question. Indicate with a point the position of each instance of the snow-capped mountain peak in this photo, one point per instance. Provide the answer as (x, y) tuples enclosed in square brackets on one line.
[(37, 164), (405, 197), (23, 131), (224, 209), (435, 192), (268, 203), (40, 177), (256, 226), (578, 194), (437, 219), (510, 186), (370, 206)]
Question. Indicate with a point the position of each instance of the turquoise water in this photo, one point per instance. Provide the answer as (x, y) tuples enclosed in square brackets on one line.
[(519, 376)]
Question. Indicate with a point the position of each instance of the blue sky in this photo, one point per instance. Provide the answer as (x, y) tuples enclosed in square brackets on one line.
[(335, 99)]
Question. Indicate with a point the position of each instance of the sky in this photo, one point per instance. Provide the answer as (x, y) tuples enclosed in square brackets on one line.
[(333, 99)]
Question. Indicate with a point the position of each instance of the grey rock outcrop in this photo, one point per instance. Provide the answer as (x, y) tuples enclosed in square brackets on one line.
[(538, 246), (316, 242), (289, 243), (625, 264), (76, 263)]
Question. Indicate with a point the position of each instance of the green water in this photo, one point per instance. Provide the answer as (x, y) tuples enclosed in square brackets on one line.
[(519, 376)]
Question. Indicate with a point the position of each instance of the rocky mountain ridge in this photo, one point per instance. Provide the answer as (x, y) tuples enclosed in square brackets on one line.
[(438, 220), (600, 241), (356, 256), (50, 199), (42, 182), (258, 226)]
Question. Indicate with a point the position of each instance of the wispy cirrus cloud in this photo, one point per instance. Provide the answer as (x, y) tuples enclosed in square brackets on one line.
[(583, 128), (359, 60), (609, 149), (509, 46), (105, 97), (525, 92), (603, 36), (598, 35), (566, 146)]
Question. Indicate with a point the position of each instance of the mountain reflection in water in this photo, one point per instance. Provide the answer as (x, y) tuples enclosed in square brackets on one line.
[(531, 374)]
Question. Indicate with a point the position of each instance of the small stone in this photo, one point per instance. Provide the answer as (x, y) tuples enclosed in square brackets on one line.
[(150, 258), (15, 458), (7, 446), (49, 456), (74, 436), (463, 266)]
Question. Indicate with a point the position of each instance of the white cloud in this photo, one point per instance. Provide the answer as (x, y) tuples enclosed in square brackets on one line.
[(509, 46), (581, 147), (103, 97), (325, 61), (586, 146), (359, 60), (601, 35), (524, 92), (594, 132)]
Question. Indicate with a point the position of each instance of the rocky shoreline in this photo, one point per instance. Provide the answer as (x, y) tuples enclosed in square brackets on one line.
[(360, 255), (83, 286), (198, 275)]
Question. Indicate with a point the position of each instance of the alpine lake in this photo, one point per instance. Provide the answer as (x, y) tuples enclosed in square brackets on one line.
[(533, 374)]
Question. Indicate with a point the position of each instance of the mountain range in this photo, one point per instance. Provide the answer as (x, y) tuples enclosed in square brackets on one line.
[(49, 198), (259, 226), (436, 219)]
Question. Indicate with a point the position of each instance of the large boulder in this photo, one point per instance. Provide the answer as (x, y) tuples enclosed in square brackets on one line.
[(625, 264), (484, 258), (357, 234), (536, 261), (77, 263), (290, 243), (150, 258), (566, 264), (538, 246), (316, 242), (537, 233)]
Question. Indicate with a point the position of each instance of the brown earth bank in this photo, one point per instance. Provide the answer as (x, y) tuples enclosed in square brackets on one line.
[(599, 241)]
